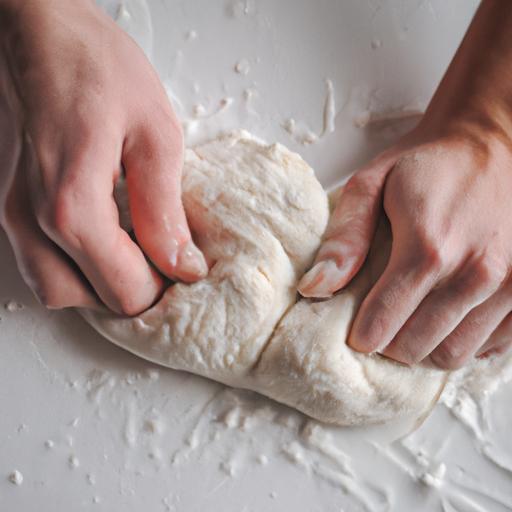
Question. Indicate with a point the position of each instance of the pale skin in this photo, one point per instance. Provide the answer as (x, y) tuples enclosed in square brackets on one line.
[(446, 188), (85, 103)]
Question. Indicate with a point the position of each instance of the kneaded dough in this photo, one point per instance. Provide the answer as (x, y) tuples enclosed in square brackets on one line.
[(259, 213)]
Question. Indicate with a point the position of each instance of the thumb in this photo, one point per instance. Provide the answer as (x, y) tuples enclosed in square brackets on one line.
[(153, 163), (350, 230)]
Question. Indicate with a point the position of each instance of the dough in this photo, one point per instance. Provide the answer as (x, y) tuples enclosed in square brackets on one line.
[(259, 213)]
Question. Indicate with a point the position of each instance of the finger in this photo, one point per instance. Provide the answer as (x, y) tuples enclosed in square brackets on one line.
[(403, 285), (44, 267), (442, 310), (82, 218), (47, 271), (478, 325), (499, 341), (350, 230), (152, 157)]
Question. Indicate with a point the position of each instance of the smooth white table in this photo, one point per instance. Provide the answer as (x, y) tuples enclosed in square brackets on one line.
[(91, 427)]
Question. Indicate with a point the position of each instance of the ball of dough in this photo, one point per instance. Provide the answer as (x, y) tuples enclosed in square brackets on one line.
[(259, 213)]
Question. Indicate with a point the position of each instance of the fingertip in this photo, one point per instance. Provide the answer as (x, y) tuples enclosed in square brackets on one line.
[(359, 347), (138, 296), (191, 264), (363, 336), (314, 283), (325, 278), (399, 354), (355, 343), (495, 351)]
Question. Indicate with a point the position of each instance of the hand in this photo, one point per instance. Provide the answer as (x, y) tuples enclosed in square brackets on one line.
[(446, 290), (86, 102)]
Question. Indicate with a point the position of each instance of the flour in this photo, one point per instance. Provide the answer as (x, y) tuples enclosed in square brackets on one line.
[(16, 477), (304, 135), (243, 67), (73, 462), (12, 306)]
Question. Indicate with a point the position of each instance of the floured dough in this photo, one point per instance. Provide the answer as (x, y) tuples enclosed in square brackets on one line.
[(259, 213), (308, 365)]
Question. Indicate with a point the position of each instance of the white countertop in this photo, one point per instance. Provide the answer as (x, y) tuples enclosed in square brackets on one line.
[(91, 427)]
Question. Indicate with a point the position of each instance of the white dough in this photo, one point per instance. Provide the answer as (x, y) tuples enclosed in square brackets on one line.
[(259, 213), (309, 366)]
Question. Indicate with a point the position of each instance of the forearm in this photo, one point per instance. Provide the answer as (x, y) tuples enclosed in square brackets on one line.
[(477, 87), (28, 27)]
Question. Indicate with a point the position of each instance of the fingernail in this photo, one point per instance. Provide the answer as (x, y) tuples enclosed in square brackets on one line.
[(322, 280), (191, 263)]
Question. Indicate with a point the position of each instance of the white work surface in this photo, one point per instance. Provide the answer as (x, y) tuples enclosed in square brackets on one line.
[(91, 427)]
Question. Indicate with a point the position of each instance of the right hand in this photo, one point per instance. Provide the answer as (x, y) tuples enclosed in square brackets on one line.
[(446, 291), (85, 101)]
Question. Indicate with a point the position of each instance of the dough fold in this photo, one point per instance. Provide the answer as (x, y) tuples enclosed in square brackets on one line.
[(259, 213)]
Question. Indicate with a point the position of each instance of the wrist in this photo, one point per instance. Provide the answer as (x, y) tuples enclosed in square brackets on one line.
[(482, 120), (475, 96), (12, 11), (20, 17)]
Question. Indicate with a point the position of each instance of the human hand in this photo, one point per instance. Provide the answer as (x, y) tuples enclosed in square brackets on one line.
[(445, 291), (86, 102)]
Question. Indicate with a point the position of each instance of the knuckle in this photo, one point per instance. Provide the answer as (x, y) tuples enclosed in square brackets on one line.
[(59, 216), (489, 270), (398, 186), (429, 252), (364, 186), (433, 259)]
